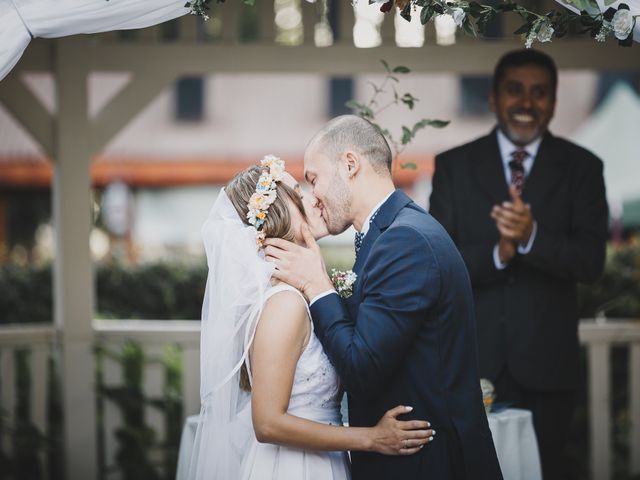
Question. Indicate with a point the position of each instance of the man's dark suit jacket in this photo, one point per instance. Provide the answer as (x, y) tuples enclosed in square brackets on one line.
[(527, 314), (406, 336)]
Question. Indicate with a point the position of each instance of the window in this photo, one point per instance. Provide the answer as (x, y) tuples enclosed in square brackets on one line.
[(190, 99), (474, 94), (340, 91)]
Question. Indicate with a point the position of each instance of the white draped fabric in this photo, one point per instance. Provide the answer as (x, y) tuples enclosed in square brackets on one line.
[(22, 20), (634, 7)]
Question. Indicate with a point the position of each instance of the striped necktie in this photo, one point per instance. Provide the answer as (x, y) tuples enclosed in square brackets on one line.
[(516, 165)]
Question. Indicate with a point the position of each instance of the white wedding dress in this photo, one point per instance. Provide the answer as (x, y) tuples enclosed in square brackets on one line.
[(315, 395), (225, 445)]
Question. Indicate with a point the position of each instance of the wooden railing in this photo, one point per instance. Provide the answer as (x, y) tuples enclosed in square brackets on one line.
[(598, 337), (37, 342), (153, 337), (40, 340)]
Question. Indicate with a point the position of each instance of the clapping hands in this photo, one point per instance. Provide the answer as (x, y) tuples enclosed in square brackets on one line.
[(515, 224)]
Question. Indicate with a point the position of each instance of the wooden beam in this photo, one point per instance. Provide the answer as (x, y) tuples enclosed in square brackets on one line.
[(143, 88), (27, 110), (477, 57), (38, 57), (473, 58)]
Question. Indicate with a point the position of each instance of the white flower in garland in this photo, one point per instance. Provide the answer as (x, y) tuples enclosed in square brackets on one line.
[(545, 33), (604, 32), (622, 23), (531, 36), (275, 166), (458, 14), (261, 200), (542, 30)]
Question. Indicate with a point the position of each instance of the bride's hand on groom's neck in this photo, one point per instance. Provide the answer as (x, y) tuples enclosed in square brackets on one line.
[(301, 267)]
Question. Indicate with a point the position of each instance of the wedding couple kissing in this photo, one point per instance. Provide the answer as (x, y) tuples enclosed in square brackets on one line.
[(280, 342)]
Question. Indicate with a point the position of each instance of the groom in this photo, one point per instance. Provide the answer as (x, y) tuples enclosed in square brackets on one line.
[(406, 335)]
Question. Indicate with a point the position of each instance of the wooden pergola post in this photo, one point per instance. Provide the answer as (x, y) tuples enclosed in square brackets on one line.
[(73, 269)]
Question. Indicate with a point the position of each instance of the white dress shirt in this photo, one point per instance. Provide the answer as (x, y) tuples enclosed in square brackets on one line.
[(507, 147), (365, 229)]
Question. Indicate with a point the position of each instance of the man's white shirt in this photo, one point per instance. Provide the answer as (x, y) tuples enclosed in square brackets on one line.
[(507, 147)]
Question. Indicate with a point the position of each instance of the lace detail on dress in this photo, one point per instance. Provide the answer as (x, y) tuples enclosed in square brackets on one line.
[(316, 383)]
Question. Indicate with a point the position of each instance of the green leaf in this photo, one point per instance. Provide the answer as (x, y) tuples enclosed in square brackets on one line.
[(409, 166), (409, 100), (425, 15), (425, 122), (401, 69), (607, 15), (523, 29), (467, 26), (361, 109), (439, 123), (249, 2), (406, 135), (406, 12), (385, 65), (353, 104)]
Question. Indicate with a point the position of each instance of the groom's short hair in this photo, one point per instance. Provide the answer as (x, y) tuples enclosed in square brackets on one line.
[(350, 132)]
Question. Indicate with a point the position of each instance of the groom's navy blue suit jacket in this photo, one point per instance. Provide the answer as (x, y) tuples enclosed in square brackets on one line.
[(407, 336)]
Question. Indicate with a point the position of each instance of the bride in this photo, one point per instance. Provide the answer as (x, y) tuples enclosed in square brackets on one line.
[(269, 396)]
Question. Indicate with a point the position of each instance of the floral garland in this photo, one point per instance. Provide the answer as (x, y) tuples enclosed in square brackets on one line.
[(264, 195), (201, 7), (472, 17)]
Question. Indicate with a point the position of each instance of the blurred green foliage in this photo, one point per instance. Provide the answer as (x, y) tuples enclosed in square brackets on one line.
[(140, 454), (154, 291), (175, 291), (617, 293)]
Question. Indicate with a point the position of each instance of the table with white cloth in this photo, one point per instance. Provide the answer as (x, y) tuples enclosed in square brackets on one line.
[(512, 431), (516, 444), (187, 440)]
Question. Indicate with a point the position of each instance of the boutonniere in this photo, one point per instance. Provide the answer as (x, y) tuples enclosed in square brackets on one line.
[(343, 282)]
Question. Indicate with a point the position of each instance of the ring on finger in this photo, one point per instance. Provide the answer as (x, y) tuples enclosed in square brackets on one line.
[(406, 443)]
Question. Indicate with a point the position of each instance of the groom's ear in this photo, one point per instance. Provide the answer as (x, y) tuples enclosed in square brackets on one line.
[(353, 163)]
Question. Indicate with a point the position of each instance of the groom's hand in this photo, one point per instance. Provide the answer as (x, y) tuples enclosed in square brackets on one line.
[(300, 267)]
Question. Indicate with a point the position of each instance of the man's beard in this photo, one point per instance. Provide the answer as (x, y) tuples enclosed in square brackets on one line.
[(519, 138), (336, 205)]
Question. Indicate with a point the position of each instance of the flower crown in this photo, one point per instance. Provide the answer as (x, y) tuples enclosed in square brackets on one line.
[(265, 194)]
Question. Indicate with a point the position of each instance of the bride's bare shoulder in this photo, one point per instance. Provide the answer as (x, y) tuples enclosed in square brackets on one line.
[(285, 303), (284, 320)]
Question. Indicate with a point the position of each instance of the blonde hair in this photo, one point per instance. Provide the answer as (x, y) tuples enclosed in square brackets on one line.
[(277, 223)]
